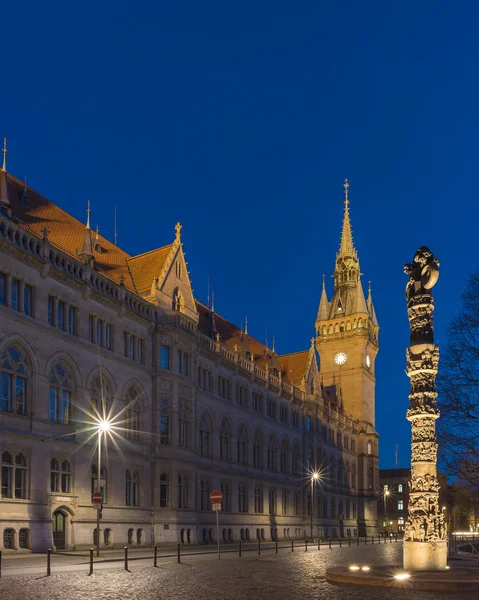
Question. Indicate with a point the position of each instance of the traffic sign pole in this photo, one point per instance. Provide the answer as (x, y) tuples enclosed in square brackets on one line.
[(218, 533), (216, 498)]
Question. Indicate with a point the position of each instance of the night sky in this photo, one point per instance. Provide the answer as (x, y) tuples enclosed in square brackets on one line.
[(241, 120)]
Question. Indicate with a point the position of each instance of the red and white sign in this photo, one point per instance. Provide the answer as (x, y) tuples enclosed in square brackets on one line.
[(216, 497), (97, 498)]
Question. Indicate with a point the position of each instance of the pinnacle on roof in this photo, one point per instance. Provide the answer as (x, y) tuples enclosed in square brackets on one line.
[(346, 247), (323, 310), (5, 205), (361, 306), (86, 251), (372, 312)]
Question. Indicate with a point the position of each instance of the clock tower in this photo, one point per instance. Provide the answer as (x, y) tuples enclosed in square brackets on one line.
[(347, 344)]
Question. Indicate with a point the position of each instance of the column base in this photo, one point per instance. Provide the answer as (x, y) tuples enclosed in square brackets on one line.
[(425, 556)]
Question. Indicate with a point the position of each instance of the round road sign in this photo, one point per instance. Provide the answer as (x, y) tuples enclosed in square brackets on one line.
[(216, 496), (97, 498)]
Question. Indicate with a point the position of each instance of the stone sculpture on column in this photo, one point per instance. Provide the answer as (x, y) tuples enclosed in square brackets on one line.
[(425, 546)]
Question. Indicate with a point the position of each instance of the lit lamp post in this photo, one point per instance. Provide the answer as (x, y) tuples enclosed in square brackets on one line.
[(102, 428), (386, 494), (314, 477)]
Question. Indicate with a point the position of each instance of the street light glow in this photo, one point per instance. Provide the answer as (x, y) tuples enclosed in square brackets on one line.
[(315, 475), (402, 576), (104, 426)]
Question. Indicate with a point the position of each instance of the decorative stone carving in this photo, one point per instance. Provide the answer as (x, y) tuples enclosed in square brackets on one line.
[(425, 524)]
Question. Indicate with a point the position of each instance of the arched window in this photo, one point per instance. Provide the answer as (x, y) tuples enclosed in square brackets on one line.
[(225, 440), (353, 476), (101, 395), (128, 488), (177, 301), (258, 450), (272, 454), (340, 472), (61, 387), (54, 475), (7, 475), (332, 474), (284, 456), (13, 381), (182, 491), (370, 447), (165, 421), (164, 490), (225, 490), (20, 476), (205, 494), (130, 535), (183, 427), (347, 479), (296, 459), (132, 491), (242, 446), (65, 477), (205, 434), (132, 414)]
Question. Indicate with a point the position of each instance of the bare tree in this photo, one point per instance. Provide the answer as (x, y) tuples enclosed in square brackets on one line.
[(458, 386)]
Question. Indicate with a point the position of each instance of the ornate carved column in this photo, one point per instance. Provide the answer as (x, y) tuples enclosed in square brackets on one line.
[(425, 546)]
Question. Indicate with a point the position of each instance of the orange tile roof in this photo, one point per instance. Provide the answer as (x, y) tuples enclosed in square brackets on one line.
[(294, 365), (67, 233), (145, 267)]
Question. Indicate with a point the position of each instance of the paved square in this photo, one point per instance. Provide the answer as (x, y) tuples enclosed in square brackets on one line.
[(272, 577)]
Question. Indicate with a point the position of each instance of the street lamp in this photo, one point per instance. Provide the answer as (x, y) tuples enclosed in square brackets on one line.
[(103, 427), (386, 494), (314, 477)]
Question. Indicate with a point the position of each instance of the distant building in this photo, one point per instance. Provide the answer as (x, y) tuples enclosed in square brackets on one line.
[(393, 499), (88, 331)]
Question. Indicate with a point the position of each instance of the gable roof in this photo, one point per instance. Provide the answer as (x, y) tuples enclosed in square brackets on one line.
[(145, 267), (294, 365)]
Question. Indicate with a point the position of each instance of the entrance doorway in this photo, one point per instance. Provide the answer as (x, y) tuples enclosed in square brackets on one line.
[(59, 526)]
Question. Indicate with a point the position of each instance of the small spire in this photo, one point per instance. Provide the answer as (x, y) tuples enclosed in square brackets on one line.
[(369, 288), (4, 166), (246, 325), (115, 233), (324, 281), (86, 251), (24, 196), (97, 238), (88, 215), (178, 228), (273, 349), (346, 198), (312, 342), (212, 302)]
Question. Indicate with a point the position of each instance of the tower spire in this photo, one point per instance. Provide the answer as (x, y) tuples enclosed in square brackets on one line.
[(346, 247)]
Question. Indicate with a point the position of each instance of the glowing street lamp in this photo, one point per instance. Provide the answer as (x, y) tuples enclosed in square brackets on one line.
[(103, 427), (314, 477)]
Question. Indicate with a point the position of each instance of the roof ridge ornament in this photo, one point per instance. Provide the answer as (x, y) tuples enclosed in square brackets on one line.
[(88, 215), (4, 166), (178, 228)]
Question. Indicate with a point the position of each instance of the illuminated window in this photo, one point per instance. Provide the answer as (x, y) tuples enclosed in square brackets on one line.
[(400, 488), (400, 505)]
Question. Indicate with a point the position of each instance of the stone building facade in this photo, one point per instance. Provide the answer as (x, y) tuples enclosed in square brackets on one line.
[(90, 333)]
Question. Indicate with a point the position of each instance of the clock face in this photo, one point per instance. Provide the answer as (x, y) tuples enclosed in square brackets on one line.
[(340, 358), (368, 361)]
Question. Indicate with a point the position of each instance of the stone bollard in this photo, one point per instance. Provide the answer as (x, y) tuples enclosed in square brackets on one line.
[(155, 555), (49, 552), (91, 562), (240, 549), (126, 558), (179, 551), (276, 546), (329, 543), (319, 543), (292, 545), (340, 542), (259, 547)]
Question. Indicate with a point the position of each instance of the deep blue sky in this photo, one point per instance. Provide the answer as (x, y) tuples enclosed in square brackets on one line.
[(241, 121)]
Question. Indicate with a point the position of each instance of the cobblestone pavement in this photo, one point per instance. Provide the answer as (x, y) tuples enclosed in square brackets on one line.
[(270, 577)]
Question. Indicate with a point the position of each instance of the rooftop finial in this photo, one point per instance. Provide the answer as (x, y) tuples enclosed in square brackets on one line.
[(178, 228), (97, 236), (4, 166), (246, 325), (274, 341), (212, 302), (369, 287), (324, 281), (88, 216), (346, 195)]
